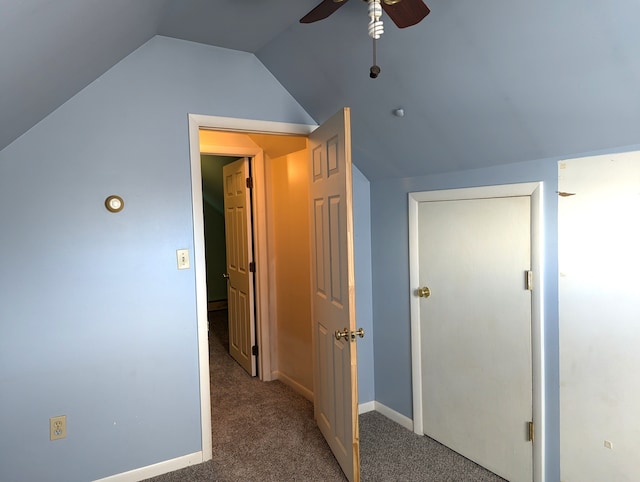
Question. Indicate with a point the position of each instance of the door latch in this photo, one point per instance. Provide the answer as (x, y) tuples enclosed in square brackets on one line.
[(344, 333)]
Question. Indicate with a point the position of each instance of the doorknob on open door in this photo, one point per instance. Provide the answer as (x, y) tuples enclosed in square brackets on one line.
[(345, 334), (424, 292), (225, 275)]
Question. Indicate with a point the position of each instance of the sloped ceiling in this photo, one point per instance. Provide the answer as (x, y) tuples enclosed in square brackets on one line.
[(51, 49), (481, 83)]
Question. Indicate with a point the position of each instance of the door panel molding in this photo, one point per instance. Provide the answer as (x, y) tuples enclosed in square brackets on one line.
[(534, 190), (239, 244), (333, 288)]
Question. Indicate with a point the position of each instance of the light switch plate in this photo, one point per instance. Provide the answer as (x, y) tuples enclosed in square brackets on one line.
[(183, 259)]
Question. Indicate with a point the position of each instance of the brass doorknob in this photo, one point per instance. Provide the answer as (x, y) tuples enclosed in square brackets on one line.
[(346, 334), (424, 292)]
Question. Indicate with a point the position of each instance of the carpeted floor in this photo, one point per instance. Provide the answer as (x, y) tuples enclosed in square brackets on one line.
[(266, 432), (390, 452)]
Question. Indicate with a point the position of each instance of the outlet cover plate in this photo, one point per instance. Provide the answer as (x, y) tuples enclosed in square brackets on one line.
[(58, 427)]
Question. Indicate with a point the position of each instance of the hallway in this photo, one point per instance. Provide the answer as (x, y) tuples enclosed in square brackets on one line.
[(261, 431)]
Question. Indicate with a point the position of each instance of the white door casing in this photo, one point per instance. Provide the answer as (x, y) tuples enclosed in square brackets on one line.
[(265, 283), (239, 244), (476, 330), (333, 290), (534, 192)]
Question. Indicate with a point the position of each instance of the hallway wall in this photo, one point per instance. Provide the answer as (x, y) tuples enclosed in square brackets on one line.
[(290, 197)]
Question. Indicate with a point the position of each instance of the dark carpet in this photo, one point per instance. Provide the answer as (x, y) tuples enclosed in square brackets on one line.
[(266, 432)]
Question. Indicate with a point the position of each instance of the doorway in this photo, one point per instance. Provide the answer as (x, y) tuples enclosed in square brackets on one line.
[(532, 191), (229, 143), (227, 231)]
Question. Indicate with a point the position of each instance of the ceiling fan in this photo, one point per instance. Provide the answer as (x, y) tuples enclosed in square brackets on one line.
[(404, 13)]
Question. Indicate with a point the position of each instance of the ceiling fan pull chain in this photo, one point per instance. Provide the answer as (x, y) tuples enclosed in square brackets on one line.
[(374, 71)]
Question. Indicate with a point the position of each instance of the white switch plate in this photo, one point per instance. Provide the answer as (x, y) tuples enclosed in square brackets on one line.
[(183, 259)]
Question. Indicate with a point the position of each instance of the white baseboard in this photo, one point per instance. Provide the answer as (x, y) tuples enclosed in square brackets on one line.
[(366, 407), (391, 414), (290, 382), (197, 457), (155, 469)]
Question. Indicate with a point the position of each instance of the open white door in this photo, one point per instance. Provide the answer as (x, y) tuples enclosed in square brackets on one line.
[(333, 291), (237, 219)]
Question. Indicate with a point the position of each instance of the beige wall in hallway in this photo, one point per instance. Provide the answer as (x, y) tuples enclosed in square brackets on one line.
[(290, 195)]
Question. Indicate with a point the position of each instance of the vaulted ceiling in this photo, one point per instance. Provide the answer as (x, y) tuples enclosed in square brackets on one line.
[(481, 82)]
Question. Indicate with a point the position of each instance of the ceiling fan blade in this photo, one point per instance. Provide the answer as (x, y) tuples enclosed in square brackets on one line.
[(406, 13), (323, 10)]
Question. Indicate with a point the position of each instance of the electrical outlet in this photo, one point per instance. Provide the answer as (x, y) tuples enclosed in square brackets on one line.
[(58, 427)]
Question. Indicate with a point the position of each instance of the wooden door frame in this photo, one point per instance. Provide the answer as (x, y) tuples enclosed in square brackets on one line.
[(265, 278), (534, 191)]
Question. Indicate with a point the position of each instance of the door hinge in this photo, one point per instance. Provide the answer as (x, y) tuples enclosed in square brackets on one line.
[(254, 350), (252, 267), (528, 280), (531, 430), (249, 183)]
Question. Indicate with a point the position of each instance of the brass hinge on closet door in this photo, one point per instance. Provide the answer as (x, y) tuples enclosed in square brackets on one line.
[(531, 430), (528, 280)]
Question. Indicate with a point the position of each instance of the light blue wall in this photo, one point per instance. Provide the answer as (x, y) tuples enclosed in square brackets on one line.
[(364, 302), (96, 322), (391, 290)]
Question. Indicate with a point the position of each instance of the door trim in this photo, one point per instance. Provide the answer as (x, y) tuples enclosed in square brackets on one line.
[(264, 281), (534, 190)]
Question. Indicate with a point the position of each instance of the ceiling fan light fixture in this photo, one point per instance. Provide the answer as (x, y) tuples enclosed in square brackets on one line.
[(403, 15), (376, 28)]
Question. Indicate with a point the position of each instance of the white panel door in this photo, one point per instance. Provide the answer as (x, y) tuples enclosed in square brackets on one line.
[(237, 220), (476, 330), (333, 290)]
